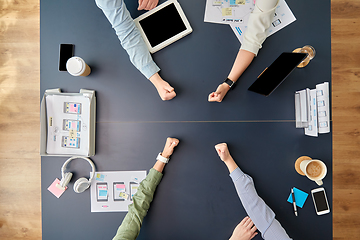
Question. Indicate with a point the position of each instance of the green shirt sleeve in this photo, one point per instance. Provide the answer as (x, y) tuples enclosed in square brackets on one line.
[(130, 227)]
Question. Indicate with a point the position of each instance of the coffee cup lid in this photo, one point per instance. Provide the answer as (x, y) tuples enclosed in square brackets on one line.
[(75, 66)]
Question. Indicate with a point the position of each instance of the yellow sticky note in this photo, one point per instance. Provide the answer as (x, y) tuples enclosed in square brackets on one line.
[(242, 2), (226, 11), (124, 195), (72, 133)]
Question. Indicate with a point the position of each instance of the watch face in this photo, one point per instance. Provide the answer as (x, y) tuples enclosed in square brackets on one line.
[(229, 82)]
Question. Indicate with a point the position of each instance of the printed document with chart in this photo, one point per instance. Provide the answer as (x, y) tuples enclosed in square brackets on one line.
[(236, 13)]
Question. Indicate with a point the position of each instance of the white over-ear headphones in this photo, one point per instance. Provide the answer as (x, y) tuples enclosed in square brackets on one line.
[(82, 183)]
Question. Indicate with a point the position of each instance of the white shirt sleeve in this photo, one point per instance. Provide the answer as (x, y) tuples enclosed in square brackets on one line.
[(259, 22)]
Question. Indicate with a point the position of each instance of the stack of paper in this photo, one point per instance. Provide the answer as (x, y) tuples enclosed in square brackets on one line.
[(236, 13), (312, 110)]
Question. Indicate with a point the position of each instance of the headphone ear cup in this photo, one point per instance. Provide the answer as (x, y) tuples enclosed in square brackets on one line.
[(66, 179), (81, 185)]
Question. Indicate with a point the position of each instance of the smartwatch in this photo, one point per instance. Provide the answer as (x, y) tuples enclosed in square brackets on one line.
[(162, 159), (230, 83)]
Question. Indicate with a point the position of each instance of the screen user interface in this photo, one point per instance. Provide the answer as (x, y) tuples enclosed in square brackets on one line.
[(162, 25)]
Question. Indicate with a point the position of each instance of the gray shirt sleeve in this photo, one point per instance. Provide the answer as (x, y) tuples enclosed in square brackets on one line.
[(262, 216), (129, 36)]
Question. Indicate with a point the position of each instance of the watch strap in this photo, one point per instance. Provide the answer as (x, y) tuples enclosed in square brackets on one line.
[(162, 159)]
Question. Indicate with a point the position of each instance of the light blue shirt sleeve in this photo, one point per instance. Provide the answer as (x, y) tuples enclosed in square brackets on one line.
[(262, 216), (129, 36)]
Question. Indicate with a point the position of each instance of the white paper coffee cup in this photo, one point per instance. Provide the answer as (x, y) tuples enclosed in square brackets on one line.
[(76, 66)]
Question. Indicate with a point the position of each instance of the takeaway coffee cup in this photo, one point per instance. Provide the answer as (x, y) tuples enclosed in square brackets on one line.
[(314, 169), (76, 66)]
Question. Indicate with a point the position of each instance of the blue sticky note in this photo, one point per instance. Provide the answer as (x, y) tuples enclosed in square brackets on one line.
[(102, 193), (300, 197)]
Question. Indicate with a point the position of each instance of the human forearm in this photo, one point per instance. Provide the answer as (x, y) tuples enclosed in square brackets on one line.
[(262, 216), (242, 61), (166, 92), (257, 210), (231, 164), (224, 154), (166, 153), (159, 166), (130, 227), (129, 36)]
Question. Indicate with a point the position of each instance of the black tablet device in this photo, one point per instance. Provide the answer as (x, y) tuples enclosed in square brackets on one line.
[(276, 73)]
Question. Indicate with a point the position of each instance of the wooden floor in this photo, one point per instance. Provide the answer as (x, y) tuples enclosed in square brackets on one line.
[(20, 204)]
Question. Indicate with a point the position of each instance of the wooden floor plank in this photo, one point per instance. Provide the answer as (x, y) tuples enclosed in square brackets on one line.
[(20, 202)]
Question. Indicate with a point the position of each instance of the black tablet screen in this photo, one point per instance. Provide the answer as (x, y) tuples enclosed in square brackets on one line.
[(162, 25), (277, 72)]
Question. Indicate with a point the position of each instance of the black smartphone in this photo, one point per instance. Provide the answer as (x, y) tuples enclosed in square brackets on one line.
[(276, 73), (66, 52)]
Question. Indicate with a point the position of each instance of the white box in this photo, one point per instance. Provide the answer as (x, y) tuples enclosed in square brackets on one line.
[(58, 129)]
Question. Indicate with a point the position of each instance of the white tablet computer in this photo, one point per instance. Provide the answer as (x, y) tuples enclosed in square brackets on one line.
[(163, 25)]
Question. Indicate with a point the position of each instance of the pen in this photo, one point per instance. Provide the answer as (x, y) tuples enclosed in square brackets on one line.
[(294, 203)]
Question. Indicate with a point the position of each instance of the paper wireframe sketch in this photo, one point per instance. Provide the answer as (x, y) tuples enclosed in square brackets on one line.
[(323, 105), (312, 129), (109, 191)]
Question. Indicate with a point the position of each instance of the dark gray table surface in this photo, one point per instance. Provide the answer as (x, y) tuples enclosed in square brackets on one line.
[(196, 198)]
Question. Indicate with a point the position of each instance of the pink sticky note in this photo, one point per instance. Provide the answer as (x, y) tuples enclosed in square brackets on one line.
[(120, 186), (73, 108), (55, 190)]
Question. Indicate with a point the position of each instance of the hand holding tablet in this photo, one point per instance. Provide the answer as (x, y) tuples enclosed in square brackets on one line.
[(147, 4)]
